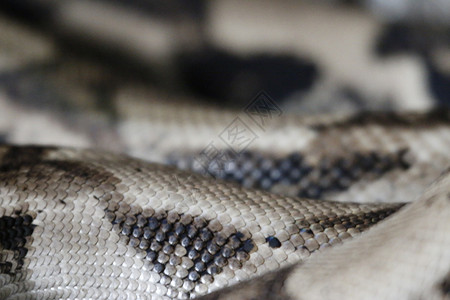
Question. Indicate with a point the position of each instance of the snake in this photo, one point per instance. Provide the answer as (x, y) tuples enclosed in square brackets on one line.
[(157, 198), (93, 224)]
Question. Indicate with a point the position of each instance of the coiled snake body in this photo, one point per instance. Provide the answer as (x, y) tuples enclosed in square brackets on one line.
[(88, 224)]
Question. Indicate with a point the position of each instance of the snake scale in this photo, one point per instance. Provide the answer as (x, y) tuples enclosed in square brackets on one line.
[(268, 206), (90, 224)]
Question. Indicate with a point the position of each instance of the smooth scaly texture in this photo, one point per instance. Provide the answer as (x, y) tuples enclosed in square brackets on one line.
[(404, 257), (83, 224)]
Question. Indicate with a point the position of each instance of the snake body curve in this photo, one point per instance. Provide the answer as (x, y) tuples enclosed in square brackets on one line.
[(85, 224), (82, 224)]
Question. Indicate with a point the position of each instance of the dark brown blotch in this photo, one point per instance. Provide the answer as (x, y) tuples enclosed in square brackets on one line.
[(38, 168), (15, 233), (25, 154)]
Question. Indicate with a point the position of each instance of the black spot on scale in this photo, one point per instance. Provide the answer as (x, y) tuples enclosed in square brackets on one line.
[(273, 242), (183, 242), (15, 233), (333, 174)]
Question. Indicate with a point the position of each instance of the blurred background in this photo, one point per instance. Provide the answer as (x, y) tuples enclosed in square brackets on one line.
[(64, 64), (376, 54)]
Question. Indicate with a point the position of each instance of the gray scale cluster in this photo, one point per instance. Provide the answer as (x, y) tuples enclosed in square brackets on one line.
[(181, 248), (14, 234), (254, 170)]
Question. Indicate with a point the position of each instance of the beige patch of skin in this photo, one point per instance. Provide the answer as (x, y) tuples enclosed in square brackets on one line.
[(20, 123)]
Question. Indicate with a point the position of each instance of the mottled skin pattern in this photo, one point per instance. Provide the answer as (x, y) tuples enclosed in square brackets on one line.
[(129, 228), (92, 225), (363, 158)]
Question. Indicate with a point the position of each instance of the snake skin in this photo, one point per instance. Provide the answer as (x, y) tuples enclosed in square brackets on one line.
[(78, 224), (87, 224), (84, 224), (405, 257)]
